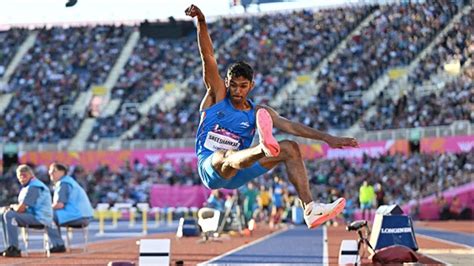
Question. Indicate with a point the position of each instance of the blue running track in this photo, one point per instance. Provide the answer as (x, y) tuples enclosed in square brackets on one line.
[(460, 238), (296, 245)]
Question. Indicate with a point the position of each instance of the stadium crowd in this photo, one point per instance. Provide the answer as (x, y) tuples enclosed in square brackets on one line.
[(393, 38), (403, 178), (443, 107), (458, 44), (330, 108), (281, 46), (156, 63), (153, 65), (10, 41), (156, 124), (62, 63), (114, 126), (65, 63)]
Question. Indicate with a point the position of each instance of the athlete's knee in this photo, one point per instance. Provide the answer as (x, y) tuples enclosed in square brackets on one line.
[(218, 159), (220, 164), (290, 148)]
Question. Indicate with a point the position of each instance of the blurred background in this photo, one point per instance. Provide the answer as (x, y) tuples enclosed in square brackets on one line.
[(112, 88)]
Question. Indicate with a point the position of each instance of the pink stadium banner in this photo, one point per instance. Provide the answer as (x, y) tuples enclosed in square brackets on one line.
[(371, 149), (430, 210), (455, 144), (177, 155), (90, 160), (180, 196), (428, 207)]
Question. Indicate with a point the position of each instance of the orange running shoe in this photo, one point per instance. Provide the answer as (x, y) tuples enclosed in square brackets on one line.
[(316, 214)]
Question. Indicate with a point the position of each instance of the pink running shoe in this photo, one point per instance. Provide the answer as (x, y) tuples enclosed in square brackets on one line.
[(316, 214), (271, 148)]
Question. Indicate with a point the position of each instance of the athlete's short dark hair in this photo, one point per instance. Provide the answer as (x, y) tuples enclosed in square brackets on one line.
[(240, 69)]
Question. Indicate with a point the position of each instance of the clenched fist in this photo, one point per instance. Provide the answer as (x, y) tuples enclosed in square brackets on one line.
[(194, 11)]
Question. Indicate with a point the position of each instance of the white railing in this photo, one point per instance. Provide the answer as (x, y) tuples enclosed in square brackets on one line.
[(458, 128)]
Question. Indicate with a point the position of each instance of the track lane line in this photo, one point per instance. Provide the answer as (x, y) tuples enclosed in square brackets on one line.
[(245, 246)]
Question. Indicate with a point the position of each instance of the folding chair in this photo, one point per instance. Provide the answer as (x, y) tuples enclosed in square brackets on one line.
[(69, 230), (25, 235)]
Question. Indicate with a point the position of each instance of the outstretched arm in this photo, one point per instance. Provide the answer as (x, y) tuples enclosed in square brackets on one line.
[(300, 130), (215, 85)]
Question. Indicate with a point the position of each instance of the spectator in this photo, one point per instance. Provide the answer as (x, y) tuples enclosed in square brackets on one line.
[(379, 195), (415, 209), (348, 212), (264, 204), (366, 199), (250, 201), (278, 202), (33, 208), (455, 208), (443, 206)]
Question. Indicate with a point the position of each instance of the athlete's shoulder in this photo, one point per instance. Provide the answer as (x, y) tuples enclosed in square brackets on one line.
[(214, 106)]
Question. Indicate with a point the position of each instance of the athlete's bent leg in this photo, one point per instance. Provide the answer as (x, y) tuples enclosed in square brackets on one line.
[(315, 214), (228, 163), (291, 156)]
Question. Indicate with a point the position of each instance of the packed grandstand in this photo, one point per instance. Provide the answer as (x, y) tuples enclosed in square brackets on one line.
[(361, 68)]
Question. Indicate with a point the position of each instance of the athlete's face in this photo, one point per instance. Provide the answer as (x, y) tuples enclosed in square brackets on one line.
[(239, 88)]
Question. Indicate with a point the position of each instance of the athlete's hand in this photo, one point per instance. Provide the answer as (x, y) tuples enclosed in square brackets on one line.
[(337, 142), (194, 11)]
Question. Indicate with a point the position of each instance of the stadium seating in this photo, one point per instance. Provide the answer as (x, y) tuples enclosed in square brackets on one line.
[(61, 64), (269, 80), (64, 62), (10, 41), (395, 36), (428, 104), (403, 177)]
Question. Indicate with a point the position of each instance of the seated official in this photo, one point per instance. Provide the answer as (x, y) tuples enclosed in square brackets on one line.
[(70, 204), (33, 208)]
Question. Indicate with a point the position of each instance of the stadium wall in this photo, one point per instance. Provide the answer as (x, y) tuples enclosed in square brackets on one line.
[(90, 160)]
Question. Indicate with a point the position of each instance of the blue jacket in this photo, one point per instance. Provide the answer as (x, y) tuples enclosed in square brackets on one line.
[(77, 205), (42, 208)]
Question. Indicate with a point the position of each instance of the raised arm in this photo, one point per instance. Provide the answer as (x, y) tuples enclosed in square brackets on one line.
[(216, 89), (300, 130)]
